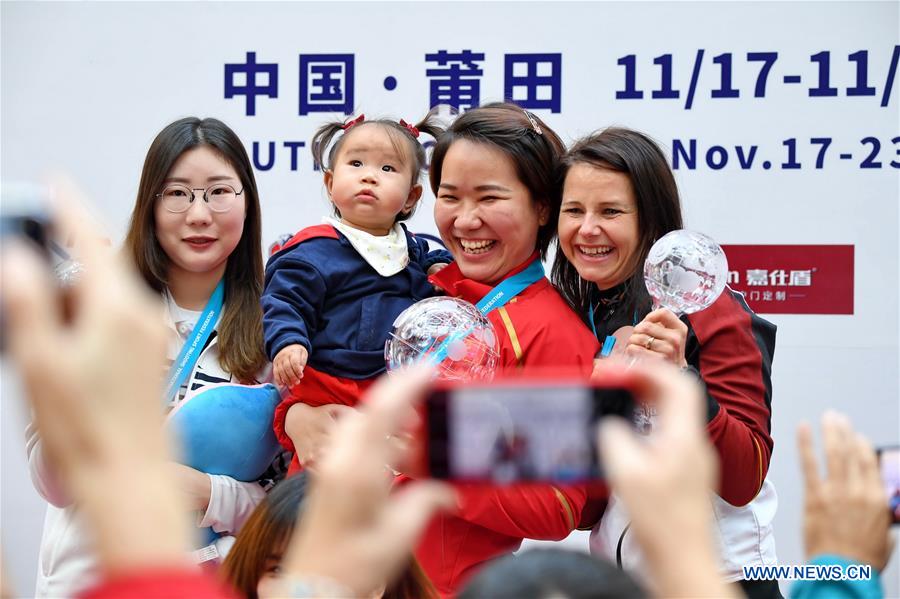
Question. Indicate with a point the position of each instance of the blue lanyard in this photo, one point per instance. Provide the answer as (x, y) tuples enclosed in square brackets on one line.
[(511, 287), (497, 297), (190, 351)]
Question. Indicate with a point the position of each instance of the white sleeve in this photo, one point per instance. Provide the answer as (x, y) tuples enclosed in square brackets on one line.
[(230, 503), (44, 479)]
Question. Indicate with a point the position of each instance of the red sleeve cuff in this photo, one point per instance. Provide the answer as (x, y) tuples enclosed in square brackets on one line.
[(278, 422), (743, 459)]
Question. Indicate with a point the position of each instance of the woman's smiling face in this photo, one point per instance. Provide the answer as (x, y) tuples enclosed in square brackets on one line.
[(598, 224), (484, 213), (200, 240)]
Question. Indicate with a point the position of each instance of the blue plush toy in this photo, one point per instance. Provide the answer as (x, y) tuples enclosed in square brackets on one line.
[(227, 429)]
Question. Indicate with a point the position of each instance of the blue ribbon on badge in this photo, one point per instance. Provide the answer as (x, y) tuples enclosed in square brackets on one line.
[(511, 287), (610, 340), (190, 351), (497, 297)]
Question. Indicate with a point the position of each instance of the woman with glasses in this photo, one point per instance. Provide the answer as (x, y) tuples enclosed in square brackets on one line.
[(195, 237)]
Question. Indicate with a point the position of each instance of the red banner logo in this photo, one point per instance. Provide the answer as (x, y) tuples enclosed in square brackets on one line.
[(793, 279)]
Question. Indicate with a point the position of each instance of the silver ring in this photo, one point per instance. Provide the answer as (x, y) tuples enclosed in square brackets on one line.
[(649, 343)]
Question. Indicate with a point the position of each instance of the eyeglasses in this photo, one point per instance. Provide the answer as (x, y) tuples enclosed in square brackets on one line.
[(178, 198)]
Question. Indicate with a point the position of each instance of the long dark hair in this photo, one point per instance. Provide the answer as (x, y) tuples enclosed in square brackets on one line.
[(328, 139), (271, 525), (531, 145), (240, 330), (658, 207)]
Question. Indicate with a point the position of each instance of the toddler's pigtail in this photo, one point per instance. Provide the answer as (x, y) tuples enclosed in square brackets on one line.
[(320, 142), (430, 125)]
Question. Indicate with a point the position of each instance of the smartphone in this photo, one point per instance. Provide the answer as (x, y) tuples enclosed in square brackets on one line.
[(519, 429), (24, 214), (889, 465)]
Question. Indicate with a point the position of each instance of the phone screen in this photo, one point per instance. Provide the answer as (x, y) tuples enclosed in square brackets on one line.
[(519, 433), (889, 464)]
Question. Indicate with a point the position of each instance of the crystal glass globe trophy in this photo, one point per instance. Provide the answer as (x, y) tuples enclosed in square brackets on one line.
[(448, 332), (685, 272)]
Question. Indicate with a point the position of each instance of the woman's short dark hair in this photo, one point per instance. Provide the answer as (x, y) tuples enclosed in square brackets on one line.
[(530, 144), (656, 196), (240, 329), (546, 573)]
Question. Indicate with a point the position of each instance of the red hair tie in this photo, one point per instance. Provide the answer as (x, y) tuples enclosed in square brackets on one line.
[(410, 128), (355, 121)]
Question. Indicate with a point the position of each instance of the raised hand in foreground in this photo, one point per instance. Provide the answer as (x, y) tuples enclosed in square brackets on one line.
[(93, 381), (845, 512), (665, 479), (355, 535)]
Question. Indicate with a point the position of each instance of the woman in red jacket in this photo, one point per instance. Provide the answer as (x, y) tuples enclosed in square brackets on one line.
[(618, 196), (493, 175)]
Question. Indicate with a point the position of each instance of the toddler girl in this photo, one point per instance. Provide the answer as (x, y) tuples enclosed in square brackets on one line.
[(333, 291)]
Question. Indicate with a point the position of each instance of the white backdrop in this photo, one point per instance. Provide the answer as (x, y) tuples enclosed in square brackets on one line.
[(86, 86)]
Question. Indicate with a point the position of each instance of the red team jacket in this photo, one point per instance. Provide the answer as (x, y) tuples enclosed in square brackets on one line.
[(535, 329), (732, 348)]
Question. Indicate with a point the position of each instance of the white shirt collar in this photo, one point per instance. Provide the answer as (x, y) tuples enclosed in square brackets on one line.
[(387, 254)]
